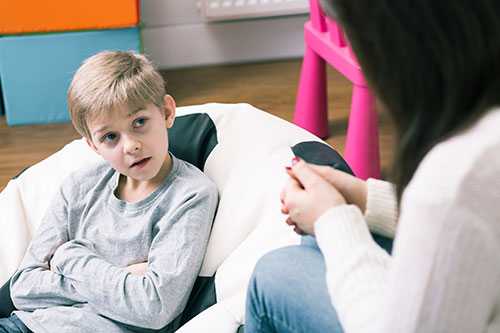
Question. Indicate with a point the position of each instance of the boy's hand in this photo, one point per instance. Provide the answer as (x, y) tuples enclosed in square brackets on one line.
[(138, 269)]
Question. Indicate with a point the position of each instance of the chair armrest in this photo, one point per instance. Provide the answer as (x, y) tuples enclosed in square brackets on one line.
[(16, 233)]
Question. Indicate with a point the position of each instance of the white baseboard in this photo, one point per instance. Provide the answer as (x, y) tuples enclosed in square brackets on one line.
[(176, 46)]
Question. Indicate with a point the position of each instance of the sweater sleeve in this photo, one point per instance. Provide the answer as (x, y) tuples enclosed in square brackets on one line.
[(34, 286), (381, 207), (356, 266), (444, 273), (153, 300)]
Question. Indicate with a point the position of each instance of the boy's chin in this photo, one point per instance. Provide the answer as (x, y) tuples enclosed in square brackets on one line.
[(143, 176)]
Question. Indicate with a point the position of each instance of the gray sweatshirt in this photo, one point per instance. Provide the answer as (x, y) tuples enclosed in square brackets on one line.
[(89, 236)]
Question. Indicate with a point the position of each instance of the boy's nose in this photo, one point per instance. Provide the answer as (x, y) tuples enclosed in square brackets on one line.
[(132, 146)]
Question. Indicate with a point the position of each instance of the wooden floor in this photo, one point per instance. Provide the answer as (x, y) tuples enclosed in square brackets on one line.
[(269, 86)]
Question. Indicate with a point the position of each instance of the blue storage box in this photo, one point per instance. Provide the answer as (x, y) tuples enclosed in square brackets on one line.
[(36, 70), (1, 98)]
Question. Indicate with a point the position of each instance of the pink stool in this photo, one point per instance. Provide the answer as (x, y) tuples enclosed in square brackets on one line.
[(325, 41)]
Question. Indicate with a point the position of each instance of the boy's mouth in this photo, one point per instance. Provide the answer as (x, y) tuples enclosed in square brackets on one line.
[(140, 163)]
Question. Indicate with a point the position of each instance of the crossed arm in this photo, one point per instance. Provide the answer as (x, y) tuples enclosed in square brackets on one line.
[(70, 271), (34, 285)]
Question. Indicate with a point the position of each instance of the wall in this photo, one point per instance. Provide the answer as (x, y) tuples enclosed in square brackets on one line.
[(175, 35)]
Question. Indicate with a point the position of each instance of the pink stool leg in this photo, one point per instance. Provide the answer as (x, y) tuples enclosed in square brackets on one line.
[(311, 105), (361, 150)]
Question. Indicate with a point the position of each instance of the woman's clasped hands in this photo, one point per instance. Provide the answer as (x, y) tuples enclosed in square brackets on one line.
[(313, 189)]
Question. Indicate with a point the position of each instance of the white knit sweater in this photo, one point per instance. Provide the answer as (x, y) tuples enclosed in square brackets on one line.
[(444, 272)]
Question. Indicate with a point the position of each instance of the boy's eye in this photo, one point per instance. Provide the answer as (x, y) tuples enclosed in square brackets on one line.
[(139, 122), (110, 137)]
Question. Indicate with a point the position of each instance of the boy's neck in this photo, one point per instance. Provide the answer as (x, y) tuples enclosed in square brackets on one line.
[(131, 190)]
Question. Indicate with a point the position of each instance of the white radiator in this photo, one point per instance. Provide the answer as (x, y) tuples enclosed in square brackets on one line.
[(221, 10)]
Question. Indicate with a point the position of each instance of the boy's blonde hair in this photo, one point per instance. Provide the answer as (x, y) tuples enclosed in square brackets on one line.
[(110, 80)]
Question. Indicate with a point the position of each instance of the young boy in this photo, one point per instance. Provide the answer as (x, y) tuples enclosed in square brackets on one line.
[(122, 242)]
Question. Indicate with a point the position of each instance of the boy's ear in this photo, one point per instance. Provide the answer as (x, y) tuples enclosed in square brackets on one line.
[(169, 106), (91, 145)]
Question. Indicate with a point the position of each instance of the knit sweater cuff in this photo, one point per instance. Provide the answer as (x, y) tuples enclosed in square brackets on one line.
[(341, 228), (381, 207)]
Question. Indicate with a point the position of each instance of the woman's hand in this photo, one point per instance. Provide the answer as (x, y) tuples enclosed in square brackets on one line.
[(353, 189), (307, 196), (137, 269)]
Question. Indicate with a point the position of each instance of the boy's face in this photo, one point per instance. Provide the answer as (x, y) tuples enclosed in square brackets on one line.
[(134, 142)]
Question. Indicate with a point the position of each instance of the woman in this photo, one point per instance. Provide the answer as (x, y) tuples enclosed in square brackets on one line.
[(435, 66)]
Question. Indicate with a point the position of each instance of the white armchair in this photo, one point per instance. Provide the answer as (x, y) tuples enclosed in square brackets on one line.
[(243, 150)]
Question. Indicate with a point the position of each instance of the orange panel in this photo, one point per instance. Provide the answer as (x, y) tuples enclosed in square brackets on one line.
[(28, 16)]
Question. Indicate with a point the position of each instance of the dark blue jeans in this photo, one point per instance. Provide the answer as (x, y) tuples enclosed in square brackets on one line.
[(12, 324), (288, 291)]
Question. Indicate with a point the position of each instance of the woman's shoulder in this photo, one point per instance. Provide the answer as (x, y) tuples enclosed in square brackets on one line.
[(459, 181), (463, 162)]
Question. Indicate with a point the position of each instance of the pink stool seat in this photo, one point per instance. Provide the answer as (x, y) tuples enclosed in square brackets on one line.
[(339, 57)]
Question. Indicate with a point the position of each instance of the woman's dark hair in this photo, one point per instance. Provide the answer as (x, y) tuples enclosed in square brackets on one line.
[(434, 64)]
